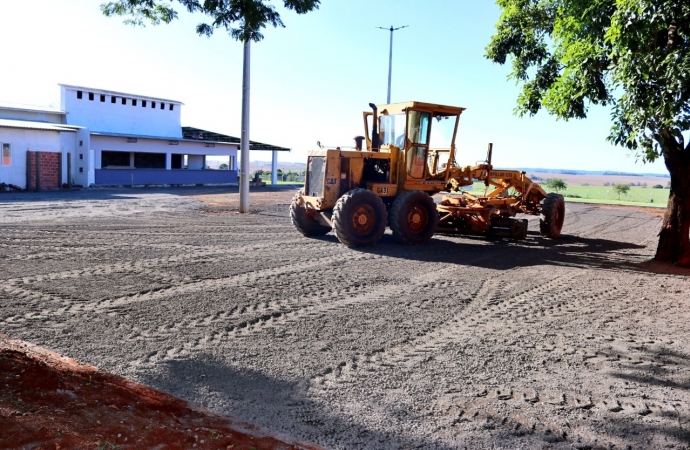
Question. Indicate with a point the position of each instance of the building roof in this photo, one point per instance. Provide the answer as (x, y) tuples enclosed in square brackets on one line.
[(197, 134), (119, 94), (159, 138), (31, 125), (30, 108)]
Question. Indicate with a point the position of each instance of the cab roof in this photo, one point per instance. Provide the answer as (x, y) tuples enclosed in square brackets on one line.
[(397, 108)]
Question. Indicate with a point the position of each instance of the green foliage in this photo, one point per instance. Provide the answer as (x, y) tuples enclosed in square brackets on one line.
[(223, 167), (621, 189), (657, 186), (556, 184), (631, 54), (242, 19)]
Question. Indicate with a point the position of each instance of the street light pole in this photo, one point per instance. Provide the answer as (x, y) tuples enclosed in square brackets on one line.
[(390, 59), (244, 140)]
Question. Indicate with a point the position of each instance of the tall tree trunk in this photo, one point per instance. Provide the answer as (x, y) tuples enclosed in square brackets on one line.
[(674, 237)]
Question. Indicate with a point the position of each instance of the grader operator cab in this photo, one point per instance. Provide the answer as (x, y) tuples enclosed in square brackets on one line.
[(410, 156)]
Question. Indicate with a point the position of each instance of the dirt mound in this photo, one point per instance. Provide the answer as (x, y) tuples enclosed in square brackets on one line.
[(52, 402)]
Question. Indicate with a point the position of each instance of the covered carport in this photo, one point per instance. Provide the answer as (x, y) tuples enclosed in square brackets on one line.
[(197, 133)]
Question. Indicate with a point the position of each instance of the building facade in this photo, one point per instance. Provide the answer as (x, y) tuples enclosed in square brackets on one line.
[(111, 138), (27, 133)]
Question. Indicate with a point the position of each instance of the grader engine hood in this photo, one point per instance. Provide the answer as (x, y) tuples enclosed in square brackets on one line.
[(332, 172), (322, 187)]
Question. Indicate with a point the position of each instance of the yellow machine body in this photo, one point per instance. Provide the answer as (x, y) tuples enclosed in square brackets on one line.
[(411, 147)]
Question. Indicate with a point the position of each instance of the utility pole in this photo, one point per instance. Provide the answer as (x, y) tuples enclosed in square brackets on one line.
[(244, 139), (390, 58)]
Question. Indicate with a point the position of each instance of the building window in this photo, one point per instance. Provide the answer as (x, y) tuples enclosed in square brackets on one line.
[(134, 102), (79, 95), (91, 96), (6, 155), (124, 101), (171, 107), (114, 159), (102, 98), (162, 105), (149, 160), (153, 105), (113, 99), (143, 103)]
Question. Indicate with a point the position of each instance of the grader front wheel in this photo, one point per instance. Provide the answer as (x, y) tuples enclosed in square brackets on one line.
[(359, 218), (552, 216), (303, 221), (413, 217)]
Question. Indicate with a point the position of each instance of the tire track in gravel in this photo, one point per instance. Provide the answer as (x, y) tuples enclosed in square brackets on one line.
[(500, 406), (416, 350), (109, 305), (137, 266), (287, 312), (60, 304), (338, 257)]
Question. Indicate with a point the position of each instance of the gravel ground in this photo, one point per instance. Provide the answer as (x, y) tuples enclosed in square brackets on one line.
[(463, 342)]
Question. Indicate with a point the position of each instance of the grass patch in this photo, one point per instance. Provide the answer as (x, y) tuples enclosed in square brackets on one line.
[(637, 196)]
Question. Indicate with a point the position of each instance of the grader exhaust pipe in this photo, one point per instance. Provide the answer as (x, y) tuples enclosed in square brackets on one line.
[(375, 139)]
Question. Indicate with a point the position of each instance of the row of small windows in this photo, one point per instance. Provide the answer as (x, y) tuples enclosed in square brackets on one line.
[(113, 99)]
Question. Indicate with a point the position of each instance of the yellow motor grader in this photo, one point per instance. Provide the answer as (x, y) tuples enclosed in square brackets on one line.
[(408, 157)]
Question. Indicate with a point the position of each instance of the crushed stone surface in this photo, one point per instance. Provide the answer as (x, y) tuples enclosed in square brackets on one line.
[(462, 342)]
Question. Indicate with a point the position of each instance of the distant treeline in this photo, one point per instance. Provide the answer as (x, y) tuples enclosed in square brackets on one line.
[(625, 174)]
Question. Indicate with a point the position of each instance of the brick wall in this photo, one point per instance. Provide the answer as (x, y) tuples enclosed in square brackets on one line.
[(48, 171)]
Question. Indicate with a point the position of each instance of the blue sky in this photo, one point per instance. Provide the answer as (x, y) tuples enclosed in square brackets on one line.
[(310, 81)]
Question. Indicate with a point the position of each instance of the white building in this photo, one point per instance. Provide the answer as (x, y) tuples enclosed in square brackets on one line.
[(24, 129), (113, 138)]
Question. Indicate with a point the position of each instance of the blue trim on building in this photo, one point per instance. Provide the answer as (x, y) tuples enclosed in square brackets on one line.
[(162, 176)]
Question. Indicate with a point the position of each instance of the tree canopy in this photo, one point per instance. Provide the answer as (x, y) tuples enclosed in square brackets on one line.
[(242, 19), (630, 55), (621, 189), (557, 184)]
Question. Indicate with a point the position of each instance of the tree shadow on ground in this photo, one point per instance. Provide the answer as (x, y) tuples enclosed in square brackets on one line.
[(661, 368)]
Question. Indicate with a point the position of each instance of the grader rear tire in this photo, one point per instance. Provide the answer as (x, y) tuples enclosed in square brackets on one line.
[(413, 217), (359, 218), (303, 221), (552, 216)]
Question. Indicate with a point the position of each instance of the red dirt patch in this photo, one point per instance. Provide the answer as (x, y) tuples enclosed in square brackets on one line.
[(51, 402)]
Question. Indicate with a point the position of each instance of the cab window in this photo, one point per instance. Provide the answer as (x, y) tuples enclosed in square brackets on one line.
[(418, 126)]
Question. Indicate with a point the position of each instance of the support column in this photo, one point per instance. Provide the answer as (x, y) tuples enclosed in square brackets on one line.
[(168, 161), (274, 168)]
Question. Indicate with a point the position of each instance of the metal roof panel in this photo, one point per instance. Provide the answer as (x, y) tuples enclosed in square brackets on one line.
[(30, 125)]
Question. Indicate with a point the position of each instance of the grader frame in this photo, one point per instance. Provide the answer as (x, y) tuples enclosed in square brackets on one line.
[(356, 192)]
